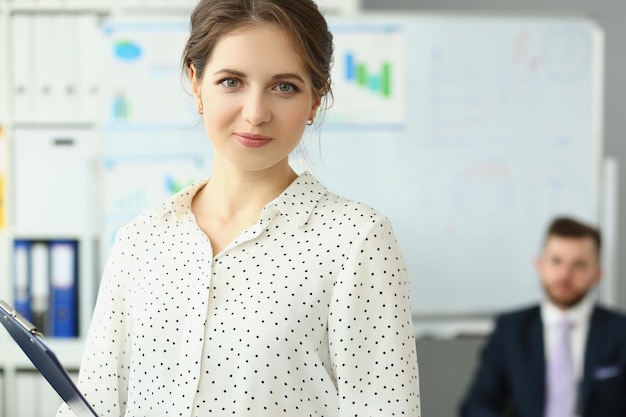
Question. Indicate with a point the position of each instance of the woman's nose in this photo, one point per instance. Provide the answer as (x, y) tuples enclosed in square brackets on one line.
[(256, 108)]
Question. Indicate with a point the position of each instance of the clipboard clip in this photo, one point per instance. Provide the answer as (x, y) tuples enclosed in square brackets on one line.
[(21, 320)]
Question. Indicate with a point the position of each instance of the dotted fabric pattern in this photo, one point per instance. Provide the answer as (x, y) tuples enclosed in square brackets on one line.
[(306, 313)]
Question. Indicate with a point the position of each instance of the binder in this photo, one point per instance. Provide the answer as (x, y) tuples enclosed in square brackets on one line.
[(89, 67), (21, 278), (57, 70), (44, 106), (40, 285), (32, 343), (22, 68), (67, 66), (58, 163), (63, 294)]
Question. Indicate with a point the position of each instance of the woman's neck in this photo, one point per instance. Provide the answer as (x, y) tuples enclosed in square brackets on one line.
[(230, 204), (229, 194)]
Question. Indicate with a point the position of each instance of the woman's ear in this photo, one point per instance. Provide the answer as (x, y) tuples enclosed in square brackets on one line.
[(316, 105), (195, 87)]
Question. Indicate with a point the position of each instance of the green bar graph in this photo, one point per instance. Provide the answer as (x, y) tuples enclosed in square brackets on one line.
[(385, 80), (361, 75), (358, 73)]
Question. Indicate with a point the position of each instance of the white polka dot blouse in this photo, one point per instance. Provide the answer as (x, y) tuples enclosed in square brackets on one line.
[(306, 313)]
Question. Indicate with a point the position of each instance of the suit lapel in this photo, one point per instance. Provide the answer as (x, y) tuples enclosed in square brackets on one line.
[(592, 351), (537, 362)]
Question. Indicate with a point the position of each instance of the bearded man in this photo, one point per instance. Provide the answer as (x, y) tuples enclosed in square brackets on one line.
[(564, 357)]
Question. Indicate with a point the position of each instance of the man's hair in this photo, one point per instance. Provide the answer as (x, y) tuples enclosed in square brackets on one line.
[(572, 228)]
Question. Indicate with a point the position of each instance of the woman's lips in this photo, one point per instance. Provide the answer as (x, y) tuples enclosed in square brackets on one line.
[(252, 140)]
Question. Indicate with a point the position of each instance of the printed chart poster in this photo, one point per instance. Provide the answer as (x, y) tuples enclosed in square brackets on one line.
[(368, 75), (145, 84)]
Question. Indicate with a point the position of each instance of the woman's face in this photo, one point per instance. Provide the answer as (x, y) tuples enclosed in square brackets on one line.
[(256, 96)]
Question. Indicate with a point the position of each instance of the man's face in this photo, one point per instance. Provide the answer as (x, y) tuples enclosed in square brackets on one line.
[(569, 268)]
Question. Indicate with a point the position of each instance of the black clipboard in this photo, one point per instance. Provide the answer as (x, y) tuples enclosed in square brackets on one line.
[(44, 359)]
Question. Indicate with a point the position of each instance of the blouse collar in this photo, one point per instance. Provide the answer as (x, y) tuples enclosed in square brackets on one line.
[(297, 202)]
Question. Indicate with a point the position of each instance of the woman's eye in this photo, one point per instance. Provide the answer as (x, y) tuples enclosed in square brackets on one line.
[(230, 83), (285, 87)]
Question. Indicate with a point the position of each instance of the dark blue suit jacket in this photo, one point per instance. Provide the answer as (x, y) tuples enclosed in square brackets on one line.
[(510, 379)]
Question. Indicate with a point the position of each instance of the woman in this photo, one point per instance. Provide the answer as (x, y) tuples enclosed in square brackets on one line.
[(256, 292)]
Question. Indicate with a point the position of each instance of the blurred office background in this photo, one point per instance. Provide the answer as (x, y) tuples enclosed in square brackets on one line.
[(446, 365), (448, 343)]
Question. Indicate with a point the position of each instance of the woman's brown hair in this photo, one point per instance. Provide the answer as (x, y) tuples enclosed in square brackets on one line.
[(300, 20)]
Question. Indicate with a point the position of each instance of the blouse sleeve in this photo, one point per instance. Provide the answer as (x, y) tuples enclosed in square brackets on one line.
[(371, 335), (103, 376)]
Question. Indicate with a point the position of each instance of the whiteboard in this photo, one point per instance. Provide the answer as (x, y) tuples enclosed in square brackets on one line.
[(492, 127), (468, 132)]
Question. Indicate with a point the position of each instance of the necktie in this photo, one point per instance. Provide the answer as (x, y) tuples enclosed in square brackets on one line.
[(560, 377)]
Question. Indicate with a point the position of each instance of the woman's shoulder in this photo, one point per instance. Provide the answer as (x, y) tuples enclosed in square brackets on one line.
[(176, 208), (346, 205), (339, 205)]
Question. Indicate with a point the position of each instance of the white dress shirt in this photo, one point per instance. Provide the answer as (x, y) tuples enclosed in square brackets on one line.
[(306, 313), (579, 315)]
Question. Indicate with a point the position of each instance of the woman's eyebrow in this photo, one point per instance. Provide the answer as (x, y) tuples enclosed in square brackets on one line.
[(288, 75), (281, 76), (231, 72)]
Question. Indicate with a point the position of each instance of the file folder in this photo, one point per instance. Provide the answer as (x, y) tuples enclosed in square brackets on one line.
[(21, 278), (42, 58), (40, 286), (44, 359), (63, 297)]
